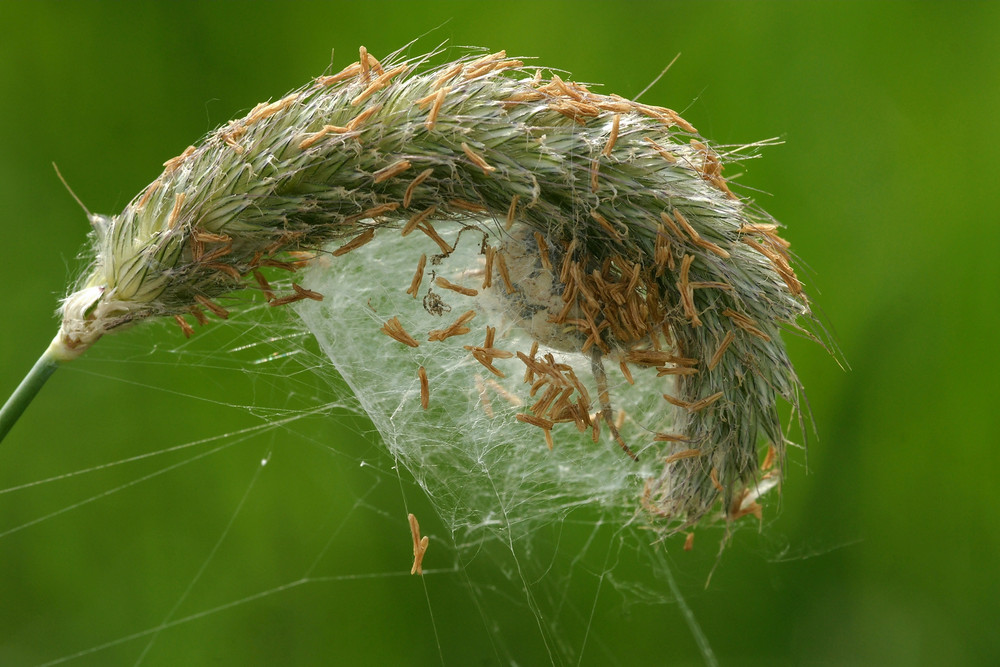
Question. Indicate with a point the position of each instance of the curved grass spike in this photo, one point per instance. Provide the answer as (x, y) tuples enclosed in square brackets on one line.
[(655, 247)]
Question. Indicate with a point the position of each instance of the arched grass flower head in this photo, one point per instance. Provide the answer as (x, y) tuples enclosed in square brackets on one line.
[(573, 246)]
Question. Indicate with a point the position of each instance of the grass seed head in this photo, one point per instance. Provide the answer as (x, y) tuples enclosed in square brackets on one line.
[(647, 246)]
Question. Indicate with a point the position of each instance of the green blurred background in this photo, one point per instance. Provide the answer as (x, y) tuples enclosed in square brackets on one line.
[(885, 547)]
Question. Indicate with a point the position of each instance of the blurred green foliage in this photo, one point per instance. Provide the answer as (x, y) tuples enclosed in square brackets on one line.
[(884, 547)]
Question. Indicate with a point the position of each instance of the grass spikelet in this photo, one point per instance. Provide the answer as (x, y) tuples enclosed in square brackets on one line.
[(648, 253)]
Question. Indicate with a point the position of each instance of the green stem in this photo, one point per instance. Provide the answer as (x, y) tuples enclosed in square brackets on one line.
[(25, 392)]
